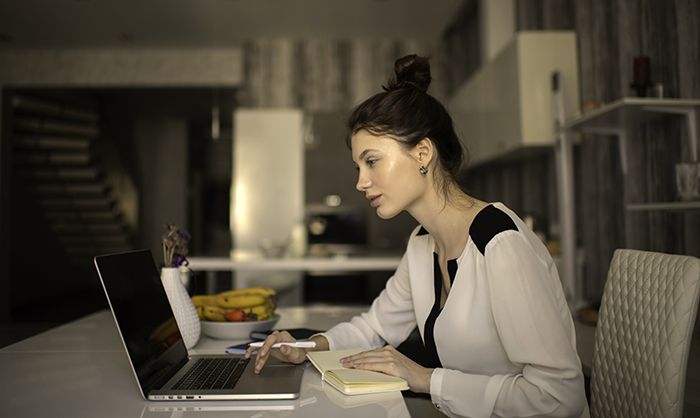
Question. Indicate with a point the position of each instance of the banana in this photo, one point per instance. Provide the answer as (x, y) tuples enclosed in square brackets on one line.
[(263, 317), (259, 301), (204, 300), (214, 313), (259, 310), (240, 301), (264, 291)]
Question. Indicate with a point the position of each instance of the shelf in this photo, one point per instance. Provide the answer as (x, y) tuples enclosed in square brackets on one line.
[(629, 111), (615, 119), (671, 206)]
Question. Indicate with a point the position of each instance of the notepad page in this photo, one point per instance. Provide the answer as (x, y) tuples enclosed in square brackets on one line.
[(329, 360)]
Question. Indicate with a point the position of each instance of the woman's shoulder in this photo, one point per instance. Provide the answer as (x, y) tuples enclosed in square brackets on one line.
[(490, 222)]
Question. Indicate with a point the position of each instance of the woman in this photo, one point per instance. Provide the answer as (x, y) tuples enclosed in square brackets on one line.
[(479, 284)]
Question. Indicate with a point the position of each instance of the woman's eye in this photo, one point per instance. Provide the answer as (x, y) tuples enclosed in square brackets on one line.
[(371, 162)]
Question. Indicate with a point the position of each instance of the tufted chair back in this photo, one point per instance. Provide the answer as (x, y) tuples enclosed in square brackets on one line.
[(643, 335)]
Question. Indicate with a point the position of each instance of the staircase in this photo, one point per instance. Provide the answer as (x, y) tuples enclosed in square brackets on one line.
[(58, 171)]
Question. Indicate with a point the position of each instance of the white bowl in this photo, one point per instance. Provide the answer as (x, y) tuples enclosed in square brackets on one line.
[(236, 330)]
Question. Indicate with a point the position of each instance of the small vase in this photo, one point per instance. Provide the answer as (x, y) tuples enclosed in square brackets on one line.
[(180, 302)]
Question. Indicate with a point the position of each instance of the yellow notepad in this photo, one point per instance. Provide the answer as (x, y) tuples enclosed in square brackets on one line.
[(352, 381)]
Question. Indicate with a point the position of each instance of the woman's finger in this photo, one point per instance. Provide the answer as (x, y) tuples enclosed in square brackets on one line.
[(261, 357), (374, 359), (371, 362), (285, 353), (266, 348), (379, 353), (379, 366), (249, 352), (267, 344)]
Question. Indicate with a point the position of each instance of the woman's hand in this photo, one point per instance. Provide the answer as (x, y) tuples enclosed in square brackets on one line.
[(388, 360), (284, 353)]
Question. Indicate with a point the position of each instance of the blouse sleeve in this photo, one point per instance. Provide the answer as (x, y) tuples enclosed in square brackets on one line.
[(536, 331), (390, 319)]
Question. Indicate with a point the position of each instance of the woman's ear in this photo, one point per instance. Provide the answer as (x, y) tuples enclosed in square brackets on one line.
[(424, 151)]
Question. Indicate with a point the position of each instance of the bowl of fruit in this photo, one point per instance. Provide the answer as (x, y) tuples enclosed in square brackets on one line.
[(234, 314)]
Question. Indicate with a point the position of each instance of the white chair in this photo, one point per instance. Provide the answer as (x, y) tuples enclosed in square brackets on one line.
[(643, 335)]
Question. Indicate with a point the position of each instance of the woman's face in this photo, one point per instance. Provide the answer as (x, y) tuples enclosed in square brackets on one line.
[(387, 173)]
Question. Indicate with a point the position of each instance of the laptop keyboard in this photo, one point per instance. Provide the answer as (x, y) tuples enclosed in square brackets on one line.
[(212, 373)]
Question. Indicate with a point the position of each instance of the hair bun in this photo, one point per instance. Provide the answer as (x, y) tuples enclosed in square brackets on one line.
[(411, 71)]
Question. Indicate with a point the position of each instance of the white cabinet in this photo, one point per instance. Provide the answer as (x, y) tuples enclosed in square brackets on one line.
[(505, 108), (267, 194)]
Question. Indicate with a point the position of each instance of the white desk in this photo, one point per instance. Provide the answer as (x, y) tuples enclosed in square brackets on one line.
[(81, 370)]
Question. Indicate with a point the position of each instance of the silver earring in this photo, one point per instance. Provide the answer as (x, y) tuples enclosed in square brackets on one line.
[(423, 170)]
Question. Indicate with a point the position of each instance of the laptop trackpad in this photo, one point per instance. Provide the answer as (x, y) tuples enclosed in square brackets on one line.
[(275, 377)]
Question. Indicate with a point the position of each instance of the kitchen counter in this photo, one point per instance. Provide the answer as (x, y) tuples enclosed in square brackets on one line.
[(257, 263), (247, 263)]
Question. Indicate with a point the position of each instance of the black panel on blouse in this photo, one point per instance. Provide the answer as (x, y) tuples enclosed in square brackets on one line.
[(488, 223), (429, 329)]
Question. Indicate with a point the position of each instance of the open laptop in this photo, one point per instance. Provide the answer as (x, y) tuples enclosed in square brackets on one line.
[(157, 353)]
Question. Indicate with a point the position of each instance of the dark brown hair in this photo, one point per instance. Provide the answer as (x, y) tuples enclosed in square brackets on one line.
[(405, 112)]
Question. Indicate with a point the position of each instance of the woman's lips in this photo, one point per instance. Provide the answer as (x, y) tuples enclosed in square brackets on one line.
[(374, 200)]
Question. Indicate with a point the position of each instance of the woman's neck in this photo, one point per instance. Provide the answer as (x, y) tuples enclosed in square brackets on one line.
[(447, 221)]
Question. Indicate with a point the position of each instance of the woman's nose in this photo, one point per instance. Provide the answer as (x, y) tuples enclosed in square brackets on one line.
[(362, 182)]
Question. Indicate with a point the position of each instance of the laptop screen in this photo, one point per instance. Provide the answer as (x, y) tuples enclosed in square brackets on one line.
[(143, 314)]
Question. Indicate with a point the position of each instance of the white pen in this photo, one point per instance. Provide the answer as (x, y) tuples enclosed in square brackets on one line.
[(298, 344)]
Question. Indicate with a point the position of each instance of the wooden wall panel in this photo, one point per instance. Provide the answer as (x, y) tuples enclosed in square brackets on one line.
[(688, 39), (324, 75), (461, 44)]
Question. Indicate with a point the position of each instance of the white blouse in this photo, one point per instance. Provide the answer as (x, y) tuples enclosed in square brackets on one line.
[(505, 337)]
